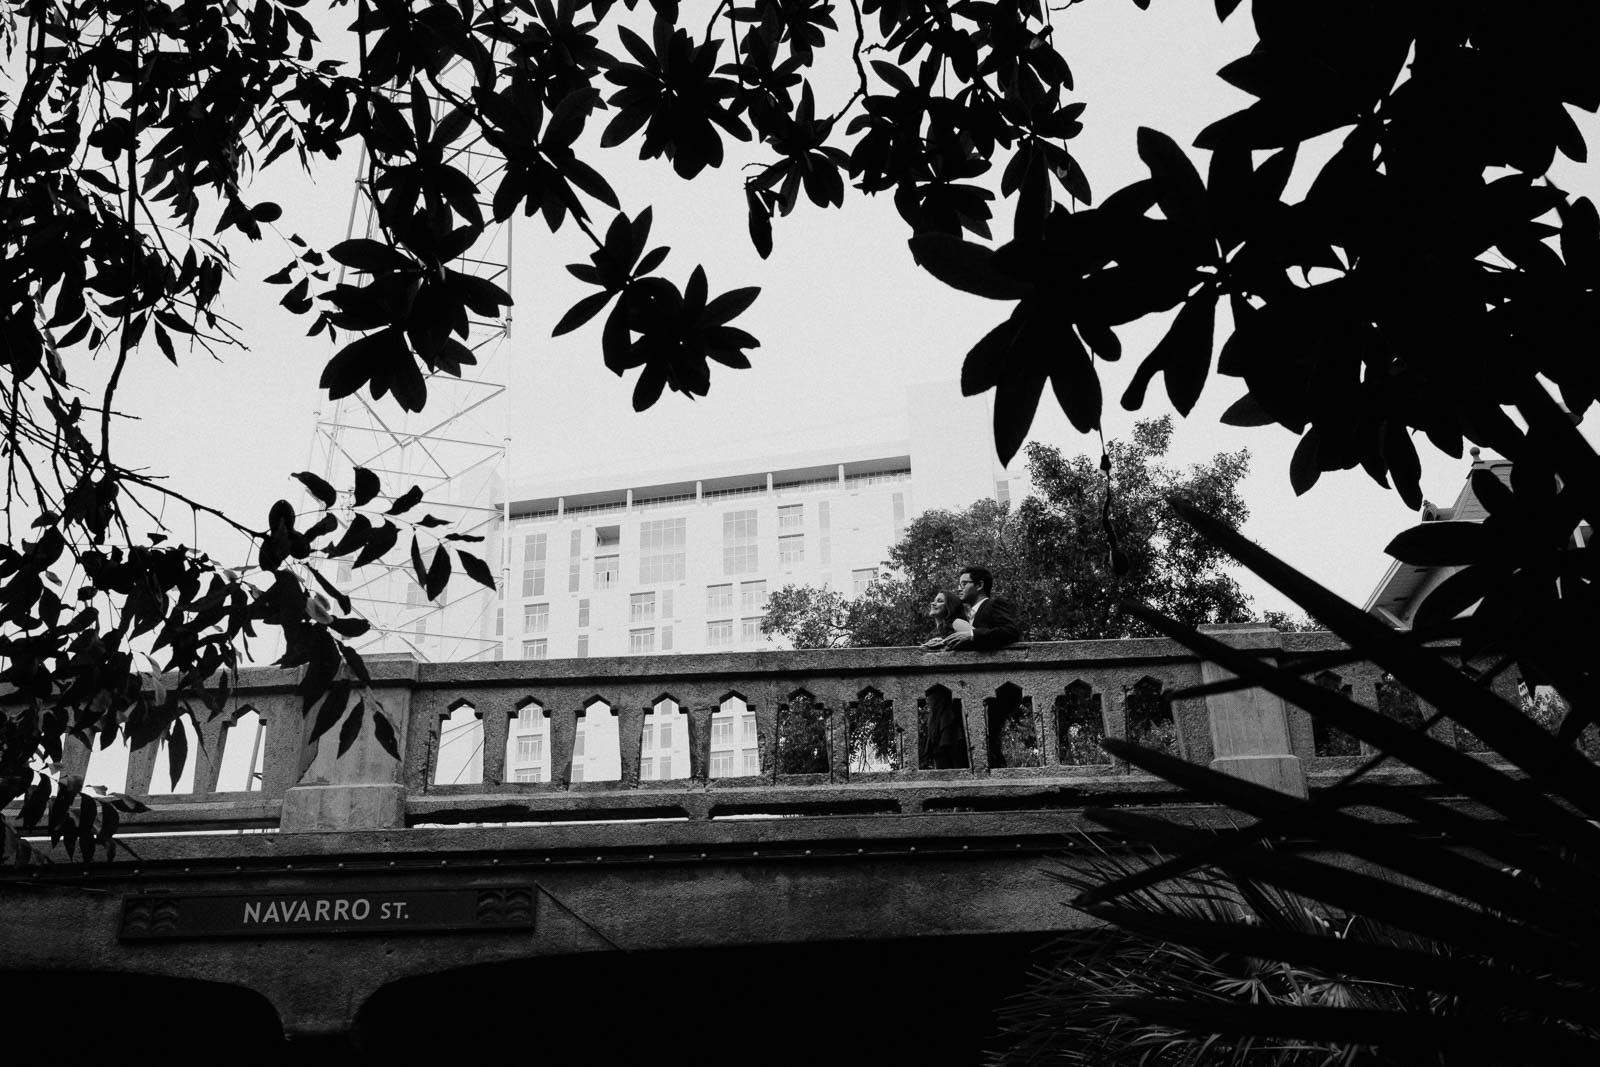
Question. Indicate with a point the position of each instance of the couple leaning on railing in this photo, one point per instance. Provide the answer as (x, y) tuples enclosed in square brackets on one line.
[(974, 619)]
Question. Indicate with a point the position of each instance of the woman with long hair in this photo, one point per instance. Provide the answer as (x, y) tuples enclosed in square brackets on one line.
[(944, 735)]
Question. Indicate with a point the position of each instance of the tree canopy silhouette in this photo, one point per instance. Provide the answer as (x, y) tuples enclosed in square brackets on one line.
[(1051, 554)]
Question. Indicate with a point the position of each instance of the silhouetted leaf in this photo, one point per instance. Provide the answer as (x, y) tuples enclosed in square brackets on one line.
[(476, 569), (351, 728), (1303, 468), (377, 543), (365, 254), (405, 501), (383, 731), (366, 486), (177, 750), (355, 535), (438, 572), (1445, 544)]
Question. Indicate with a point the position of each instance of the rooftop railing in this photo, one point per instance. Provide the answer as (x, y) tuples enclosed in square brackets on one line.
[(836, 732)]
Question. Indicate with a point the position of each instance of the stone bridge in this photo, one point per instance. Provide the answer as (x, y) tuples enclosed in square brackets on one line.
[(841, 893)]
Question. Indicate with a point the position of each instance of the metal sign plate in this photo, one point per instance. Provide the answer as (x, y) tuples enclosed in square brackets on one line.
[(170, 916)]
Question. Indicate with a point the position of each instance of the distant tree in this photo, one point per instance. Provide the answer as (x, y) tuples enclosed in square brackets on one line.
[(1288, 622), (1065, 555)]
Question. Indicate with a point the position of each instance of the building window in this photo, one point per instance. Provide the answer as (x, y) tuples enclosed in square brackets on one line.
[(722, 734), (791, 550), (533, 554), (607, 571), (642, 607), (499, 622), (752, 762), (528, 774), (661, 551), (535, 649), (583, 613), (535, 618), (530, 748), (791, 517), (574, 551), (607, 536), (722, 765), (577, 743), (823, 514), (583, 645), (641, 641), (749, 631), (664, 733), (1002, 491), (577, 772), (664, 768), (824, 539), (719, 599), (752, 597), (899, 504), (345, 570), (666, 639), (861, 579), (420, 630), (415, 596), (740, 554), (647, 739), (719, 634), (647, 768), (749, 729), (667, 611)]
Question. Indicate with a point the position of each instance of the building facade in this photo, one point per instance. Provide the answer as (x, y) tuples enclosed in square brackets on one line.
[(683, 561)]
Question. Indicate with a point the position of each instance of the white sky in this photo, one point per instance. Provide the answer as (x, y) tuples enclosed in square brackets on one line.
[(845, 318)]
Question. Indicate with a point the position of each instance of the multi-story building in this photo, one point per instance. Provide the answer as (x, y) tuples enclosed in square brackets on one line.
[(683, 561)]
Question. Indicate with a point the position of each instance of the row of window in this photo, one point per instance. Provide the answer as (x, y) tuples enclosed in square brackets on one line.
[(662, 548), (719, 632)]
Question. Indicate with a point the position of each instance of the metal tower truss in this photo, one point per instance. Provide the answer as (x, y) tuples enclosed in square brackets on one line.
[(455, 449)]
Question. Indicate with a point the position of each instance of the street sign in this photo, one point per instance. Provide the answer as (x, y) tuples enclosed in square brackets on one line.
[(172, 916)]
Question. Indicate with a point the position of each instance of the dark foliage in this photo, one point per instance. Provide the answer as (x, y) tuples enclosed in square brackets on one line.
[(1485, 915)]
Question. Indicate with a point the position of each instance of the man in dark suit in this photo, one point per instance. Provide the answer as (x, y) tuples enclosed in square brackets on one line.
[(994, 626)]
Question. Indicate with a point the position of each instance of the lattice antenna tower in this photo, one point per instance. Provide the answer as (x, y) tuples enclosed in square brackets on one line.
[(455, 449)]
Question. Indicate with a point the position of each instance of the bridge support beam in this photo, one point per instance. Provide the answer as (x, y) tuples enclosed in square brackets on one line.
[(1250, 727)]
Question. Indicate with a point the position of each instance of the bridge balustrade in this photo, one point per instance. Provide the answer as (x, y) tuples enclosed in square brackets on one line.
[(837, 731)]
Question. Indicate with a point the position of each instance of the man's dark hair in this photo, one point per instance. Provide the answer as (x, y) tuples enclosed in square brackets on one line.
[(982, 577)]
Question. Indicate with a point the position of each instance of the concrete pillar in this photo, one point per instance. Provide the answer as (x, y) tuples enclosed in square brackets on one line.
[(1250, 727), (362, 789)]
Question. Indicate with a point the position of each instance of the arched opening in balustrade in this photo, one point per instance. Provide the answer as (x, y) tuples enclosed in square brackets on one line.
[(1328, 739), (596, 754), (735, 750), (1148, 714), (664, 746), (459, 757), (528, 743), (244, 753), (1013, 729), (162, 781), (803, 743), (875, 742), (1080, 726), (108, 761), (942, 729)]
